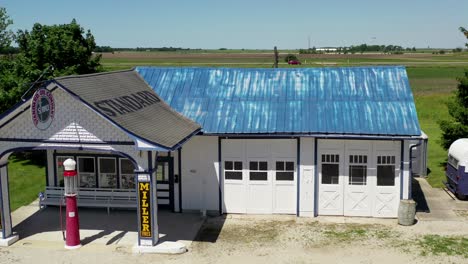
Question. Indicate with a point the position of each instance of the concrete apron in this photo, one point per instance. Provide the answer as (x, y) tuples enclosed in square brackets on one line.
[(440, 205), (115, 231)]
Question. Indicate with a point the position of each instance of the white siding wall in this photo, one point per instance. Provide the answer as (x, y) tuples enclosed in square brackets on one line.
[(307, 181), (200, 182)]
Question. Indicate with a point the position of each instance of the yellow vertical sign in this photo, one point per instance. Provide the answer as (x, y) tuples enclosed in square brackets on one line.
[(144, 197)]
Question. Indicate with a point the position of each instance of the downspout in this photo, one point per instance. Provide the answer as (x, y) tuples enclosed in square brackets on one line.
[(410, 185)]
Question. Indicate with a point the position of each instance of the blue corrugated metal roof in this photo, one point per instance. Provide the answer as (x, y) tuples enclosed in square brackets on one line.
[(348, 100)]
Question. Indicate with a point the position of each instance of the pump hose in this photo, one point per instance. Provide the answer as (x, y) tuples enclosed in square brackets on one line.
[(61, 219)]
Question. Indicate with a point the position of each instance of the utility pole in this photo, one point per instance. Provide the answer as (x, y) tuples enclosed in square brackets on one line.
[(309, 43), (276, 58)]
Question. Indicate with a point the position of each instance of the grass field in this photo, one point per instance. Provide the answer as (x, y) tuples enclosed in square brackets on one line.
[(432, 79), (26, 180)]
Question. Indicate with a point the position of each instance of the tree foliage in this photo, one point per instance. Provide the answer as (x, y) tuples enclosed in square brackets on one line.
[(65, 47), (465, 32), (457, 127), (458, 110), (6, 35), (47, 51), (290, 57)]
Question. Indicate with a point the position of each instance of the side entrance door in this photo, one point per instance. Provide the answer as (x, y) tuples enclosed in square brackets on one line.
[(165, 183), (331, 183), (357, 184)]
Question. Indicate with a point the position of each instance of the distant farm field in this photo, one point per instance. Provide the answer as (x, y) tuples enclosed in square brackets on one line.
[(432, 79)]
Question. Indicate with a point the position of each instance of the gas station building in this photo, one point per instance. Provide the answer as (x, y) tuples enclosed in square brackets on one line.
[(303, 141)]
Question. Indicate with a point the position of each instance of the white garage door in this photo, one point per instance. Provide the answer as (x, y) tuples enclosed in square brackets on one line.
[(358, 178), (259, 176)]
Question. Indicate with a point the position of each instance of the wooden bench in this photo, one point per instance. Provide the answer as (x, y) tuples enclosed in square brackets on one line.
[(92, 197)]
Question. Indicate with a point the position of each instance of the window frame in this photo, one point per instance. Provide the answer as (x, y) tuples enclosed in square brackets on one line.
[(285, 170), (358, 160), (126, 176), (258, 170), (233, 161), (100, 174), (386, 160), (96, 182), (330, 159)]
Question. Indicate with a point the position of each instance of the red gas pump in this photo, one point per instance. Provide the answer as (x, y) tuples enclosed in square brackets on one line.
[(72, 240)]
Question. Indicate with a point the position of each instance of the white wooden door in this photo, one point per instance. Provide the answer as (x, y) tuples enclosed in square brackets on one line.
[(284, 186), (357, 184), (259, 187), (331, 182), (387, 182), (235, 186)]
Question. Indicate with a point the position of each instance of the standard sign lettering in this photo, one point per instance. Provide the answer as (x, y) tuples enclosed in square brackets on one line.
[(127, 104), (42, 109), (145, 209)]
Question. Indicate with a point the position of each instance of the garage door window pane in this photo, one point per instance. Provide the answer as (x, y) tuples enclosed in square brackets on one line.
[(285, 171), (386, 175), (238, 165), (253, 165), (228, 165), (233, 170), (280, 165), (285, 176), (258, 176), (258, 171), (233, 175), (330, 174), (357, 175)]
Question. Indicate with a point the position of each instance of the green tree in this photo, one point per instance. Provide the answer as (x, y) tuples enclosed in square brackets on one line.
[(465, 32), (61, 49), (457, 127), (65, 47), (6, 35), (290, 57)]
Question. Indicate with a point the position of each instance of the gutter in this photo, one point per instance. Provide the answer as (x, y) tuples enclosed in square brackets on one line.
[(410, 185), (320, 136)]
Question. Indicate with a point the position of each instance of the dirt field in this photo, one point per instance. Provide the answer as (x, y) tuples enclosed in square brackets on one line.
[(265, 55), (282, 239), (439, 236)]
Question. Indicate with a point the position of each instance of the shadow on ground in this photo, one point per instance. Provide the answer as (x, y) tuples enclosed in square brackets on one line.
[(419, 198), (211, 229), (174, 226)]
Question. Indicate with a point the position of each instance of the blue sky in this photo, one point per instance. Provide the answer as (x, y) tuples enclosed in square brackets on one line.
[(253, 24)]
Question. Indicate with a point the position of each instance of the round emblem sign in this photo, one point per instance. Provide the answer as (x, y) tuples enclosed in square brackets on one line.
[(42, 109)]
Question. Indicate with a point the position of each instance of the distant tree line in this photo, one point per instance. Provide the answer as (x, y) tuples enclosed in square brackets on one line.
[(110, 49), (389, 49)]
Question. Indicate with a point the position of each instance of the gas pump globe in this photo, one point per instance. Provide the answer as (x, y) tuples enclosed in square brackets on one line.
[(70, 178)]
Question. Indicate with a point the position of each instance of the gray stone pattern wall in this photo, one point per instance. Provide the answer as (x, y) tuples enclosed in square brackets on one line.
[(74, 127), (73, 121)]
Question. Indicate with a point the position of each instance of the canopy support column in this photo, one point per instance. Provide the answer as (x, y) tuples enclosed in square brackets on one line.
[(7, 238)]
